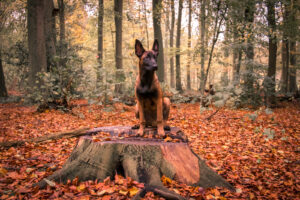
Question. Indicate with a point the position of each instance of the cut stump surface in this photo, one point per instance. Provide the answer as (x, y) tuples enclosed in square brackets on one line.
[(143, 159)]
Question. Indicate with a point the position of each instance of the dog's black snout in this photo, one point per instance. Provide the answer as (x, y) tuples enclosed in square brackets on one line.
[(154, 67)]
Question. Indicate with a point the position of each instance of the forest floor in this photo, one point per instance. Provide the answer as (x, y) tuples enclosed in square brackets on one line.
[(258, 152)]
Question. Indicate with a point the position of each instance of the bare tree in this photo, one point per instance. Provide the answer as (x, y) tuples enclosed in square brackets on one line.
[(172, 74), (62, 33), (188, 70), (293, 38), (156, 9), (146, 22), (202, 42), (269, 82), (50, 32), (36, 38), (3, 91), (220, 12), (100, 39), (118, 8), (178, 71), (249, 50)]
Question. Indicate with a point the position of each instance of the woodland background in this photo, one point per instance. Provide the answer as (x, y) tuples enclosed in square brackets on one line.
[(77, 56), (71, 49)]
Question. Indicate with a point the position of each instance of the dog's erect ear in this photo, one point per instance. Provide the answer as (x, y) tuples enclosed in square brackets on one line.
[(155, 47), (139, 49)]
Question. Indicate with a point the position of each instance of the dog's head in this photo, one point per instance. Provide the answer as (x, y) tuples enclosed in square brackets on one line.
[(148, 59)]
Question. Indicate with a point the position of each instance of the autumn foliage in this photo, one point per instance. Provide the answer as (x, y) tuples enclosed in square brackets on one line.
[(256, 151)]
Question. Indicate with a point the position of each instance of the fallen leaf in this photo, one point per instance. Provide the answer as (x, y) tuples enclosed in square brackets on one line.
[(133, 191), (51, 183)]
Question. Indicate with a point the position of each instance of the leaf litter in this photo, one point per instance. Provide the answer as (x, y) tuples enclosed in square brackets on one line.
[(259, 157)]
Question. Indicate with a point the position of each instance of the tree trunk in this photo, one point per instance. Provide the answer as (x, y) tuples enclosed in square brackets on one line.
[(293, 5), (120, 78), (50, 33), (293, 68), (237, 60), (285, 50), (36, 39), (143, 159), (156, 8), (167, 31), (226, 42), (146, 22), (188, 67), (172, 74), (202, 40), (100, 41), (178, 71), (249, 51), (62, 34), (217, 25), (270, 82), (3, 91), (285, 66), (237, 50)]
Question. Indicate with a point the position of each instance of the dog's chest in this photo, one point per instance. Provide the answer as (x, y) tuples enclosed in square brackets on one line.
[(146, 92)]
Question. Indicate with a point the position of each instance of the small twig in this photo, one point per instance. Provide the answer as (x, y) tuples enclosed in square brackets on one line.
[(209, 117)]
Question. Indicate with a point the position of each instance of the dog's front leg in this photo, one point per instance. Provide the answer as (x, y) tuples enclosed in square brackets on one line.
[(160, 125), (142, 119)]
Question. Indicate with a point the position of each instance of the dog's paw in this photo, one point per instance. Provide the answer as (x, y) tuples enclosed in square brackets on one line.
[(161, 132), (140, 132), (167, 128), (137, 126)]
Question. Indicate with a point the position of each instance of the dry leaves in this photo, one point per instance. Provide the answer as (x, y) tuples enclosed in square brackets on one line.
[(257, 152)]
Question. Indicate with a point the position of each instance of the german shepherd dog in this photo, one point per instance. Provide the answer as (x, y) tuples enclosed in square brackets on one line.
[(152, 108)]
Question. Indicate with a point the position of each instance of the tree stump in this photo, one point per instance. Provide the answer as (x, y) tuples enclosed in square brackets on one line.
[(143, 159)]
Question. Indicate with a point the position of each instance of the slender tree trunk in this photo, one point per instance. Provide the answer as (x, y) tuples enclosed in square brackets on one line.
[(238, 65), (202, 40), (178, 71), (285, 53), (156, 8), (293, 70), (236, 50), (36, 39), (249, 51), (100, 40), (227, 40), (237, 55), (50, 33), (167, 31), (172, 74), (118, 8), (3, 91), (188, 70), (285, 65), (293, 38), (217, 25), (62, 34), (270, 81), (146, 23)]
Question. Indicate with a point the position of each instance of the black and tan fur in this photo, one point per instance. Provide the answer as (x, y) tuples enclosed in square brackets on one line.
[(152, 108)]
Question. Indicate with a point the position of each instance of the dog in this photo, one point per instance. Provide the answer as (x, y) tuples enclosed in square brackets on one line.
[(152, 109)]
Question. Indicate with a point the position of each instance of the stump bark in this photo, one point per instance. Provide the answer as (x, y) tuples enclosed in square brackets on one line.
[(143, 159)]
